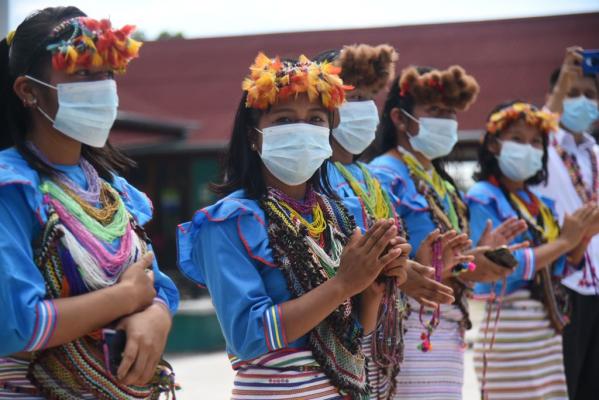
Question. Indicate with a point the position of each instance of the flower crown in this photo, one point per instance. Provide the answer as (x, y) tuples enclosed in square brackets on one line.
[(93, 43), (273, 80), (545, 121), (451, 87)]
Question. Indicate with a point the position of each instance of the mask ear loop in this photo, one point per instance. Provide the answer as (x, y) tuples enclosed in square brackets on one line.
[(413, 118), (254, 147), (37, 106)]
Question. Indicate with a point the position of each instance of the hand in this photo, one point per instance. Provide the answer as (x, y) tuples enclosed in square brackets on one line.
[(398, 268), (147, 332), (422, 287), (504, 234), (364, 257), (593, 223), (570, 69), (486, 270), (574, 227), (453, 246), (138, 280)]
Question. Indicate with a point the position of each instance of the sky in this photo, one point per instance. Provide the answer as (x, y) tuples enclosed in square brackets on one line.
[(201, 18)]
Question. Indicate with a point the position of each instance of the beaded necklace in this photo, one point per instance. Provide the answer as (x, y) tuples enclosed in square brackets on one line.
[(92, 194), (387, 340), (335, 342), (434, 189), (571, 164), (431, 325), (105, 230), (377, 204), (296, 209), (543, 228)]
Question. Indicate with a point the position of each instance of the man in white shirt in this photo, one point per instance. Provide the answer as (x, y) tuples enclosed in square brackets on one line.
[(573, 181)]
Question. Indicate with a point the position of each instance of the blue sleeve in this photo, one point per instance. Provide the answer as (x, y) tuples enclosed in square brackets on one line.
[(166, 291), (480, 213), (28, 320), (249, 319)]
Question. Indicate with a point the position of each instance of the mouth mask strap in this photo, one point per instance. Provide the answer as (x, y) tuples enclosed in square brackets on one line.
[(41, 82), (407, 114)]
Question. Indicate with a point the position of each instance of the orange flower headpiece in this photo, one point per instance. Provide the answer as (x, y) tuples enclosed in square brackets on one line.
[(92, 44), (545, 121), (451, 87), (272, 80)]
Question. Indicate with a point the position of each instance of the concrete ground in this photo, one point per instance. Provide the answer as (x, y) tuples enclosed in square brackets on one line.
[(209, 376)]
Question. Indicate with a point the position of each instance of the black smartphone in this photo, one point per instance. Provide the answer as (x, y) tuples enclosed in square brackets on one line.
[(502, 256), (114, 346)]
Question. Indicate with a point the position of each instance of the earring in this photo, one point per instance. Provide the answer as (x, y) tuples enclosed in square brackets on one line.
[(253, 147)]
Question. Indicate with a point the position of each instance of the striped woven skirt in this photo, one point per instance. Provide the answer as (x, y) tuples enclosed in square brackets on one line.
[(283, 375), (378, 382), (13, 380), (439, 373), (14, 383), (526, 361)]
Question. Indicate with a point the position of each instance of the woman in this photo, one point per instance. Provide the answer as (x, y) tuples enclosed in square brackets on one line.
[(519, 347), (290, 278), (418, 127), (74, 257), (369, 69)]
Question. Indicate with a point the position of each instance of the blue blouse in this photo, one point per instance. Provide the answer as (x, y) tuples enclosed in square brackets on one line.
[(487, 202), (28, 318), (411, 205), (226, 249)]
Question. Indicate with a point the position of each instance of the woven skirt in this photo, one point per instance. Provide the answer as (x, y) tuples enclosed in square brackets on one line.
[(283, 375), (13, 380), (526, 361), (439, 373)]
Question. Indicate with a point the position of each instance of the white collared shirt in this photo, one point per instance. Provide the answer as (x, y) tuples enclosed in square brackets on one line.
[(560, 188)]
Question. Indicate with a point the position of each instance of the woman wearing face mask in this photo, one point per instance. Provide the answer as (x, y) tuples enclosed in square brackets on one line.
[(369, 69), (520, 340), (417, 128), (573, 159), (74, 257), (288, 273)]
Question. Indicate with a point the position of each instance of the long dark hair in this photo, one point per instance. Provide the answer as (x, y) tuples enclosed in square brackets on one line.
[(27, 54), (242, 166), (386, 134), (487, 161)]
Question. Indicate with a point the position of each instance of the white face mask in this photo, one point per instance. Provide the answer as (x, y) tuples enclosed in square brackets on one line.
[(357, 126), (436, 136), (86, 110), (519, 161), (293, 152), (579, 113)]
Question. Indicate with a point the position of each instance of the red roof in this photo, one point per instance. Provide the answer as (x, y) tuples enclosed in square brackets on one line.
[(200, 79)]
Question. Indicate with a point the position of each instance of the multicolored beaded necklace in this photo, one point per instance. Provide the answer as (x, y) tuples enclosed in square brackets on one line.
[(586, 195), (434, 189), (306, 264), (387, 340)]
